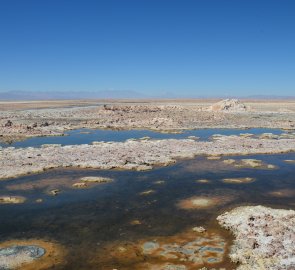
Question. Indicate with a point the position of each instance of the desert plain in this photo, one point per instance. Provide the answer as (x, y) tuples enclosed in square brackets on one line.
[(261, 236)]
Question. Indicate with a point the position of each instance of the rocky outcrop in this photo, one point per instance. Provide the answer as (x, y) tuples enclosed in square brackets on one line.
[(264, 237), (229, 105), (241, 180), (16, 125), (7, 199)]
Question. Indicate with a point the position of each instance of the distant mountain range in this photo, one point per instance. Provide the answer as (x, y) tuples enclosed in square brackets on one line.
[(269, 97), (113, 94), (30, 95)]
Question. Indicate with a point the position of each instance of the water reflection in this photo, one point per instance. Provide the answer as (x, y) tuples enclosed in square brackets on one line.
[(87, 136)]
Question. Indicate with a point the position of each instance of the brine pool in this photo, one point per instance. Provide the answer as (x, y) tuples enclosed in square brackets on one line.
[(108, 225), (87, 136)]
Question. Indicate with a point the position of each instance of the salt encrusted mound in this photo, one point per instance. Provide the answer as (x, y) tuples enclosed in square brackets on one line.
[(130, 155), (30, 254), (229, 105), (265, 237)]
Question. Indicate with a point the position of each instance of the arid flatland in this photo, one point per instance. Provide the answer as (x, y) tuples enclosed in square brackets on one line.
[(19, 120), (185, 248)]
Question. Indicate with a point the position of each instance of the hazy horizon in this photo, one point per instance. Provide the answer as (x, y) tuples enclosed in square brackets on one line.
[(60, 95)]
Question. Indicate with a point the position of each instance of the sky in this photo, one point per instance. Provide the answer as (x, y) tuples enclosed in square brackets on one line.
[(154, 47)]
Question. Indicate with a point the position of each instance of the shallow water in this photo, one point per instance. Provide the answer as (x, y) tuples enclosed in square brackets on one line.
[(87, 136), (88, 221)]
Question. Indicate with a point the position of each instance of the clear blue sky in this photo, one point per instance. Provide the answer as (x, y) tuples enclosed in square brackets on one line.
[(186, 47)]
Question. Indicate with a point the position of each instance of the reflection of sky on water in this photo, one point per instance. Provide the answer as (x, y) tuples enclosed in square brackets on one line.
[(79, 137)]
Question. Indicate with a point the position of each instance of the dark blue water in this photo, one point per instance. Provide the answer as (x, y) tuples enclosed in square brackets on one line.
[(76, 137), (87, 220)]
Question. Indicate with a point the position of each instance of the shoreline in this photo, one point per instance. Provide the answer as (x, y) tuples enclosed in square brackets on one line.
[(132, 154), (154, 116)]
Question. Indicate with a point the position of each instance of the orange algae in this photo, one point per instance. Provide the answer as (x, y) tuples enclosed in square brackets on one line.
[(187, 251), (206, 201), (283, 193)]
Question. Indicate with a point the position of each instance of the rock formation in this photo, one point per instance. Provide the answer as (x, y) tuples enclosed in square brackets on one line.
[(229, 105), (265, 237)]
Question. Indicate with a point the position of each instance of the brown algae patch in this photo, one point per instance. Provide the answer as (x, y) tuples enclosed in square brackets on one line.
[(271, 167), (268, 136), (195, 251), (198, 202), (45, 183), (87, 181), (246, 135), (79, 185), (165, 266), (195, 138), (96, 179), (160, 182), (213, 157), (203, 181), (199, 229), (202, 165), (283, 193), (242, 180), (85, 132), (7, 199), (188, 250), (249, 163), (147, 192), (207, 200), (33, 254), (53, 192), (229, 161), (135, 222), (53, 186)]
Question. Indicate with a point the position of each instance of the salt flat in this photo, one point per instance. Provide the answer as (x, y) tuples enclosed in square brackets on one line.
[(22, 120)]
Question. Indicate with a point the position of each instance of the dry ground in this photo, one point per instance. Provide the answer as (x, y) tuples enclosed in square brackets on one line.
[(23, 119)]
